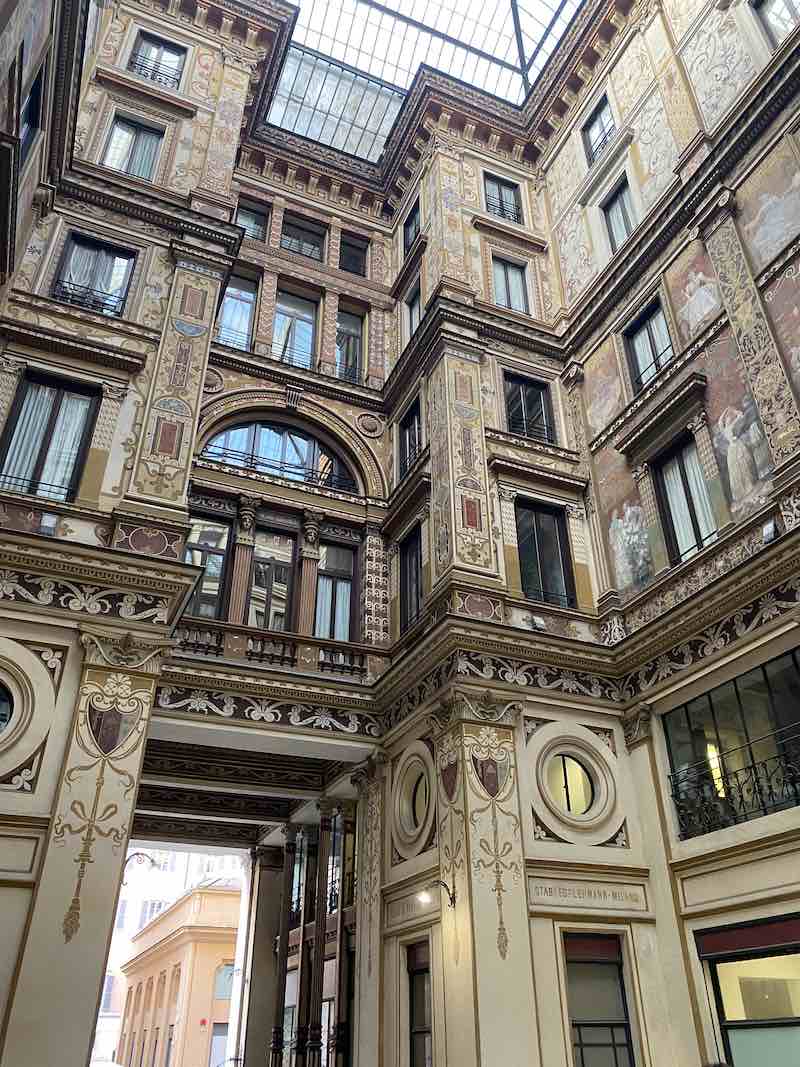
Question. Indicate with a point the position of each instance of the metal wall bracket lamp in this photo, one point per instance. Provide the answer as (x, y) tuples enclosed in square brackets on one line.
[(424, 896)]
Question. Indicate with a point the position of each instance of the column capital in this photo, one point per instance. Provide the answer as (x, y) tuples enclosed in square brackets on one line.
[(103, 648), (11, 365), (712, 215)]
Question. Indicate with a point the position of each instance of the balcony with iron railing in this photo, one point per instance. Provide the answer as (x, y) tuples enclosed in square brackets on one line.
[(502, 209), (334, 476), (160, 73), (97, 300), (234, 338), (739, 784), (535, 429)]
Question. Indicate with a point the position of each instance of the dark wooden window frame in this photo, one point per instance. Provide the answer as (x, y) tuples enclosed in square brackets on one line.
[(355, 584), (596, 958), (65, 385), (494, 204), (414, 296), (667, 524), (412, 225), (305, 228), (262, 235), (418, 965), (407, 455), (510, 377), (505, 264), (411, 543), (76, 237), (354, 242), (773, 41), (644, 319), (290, 618), (559, 513), (594, 153), (223, 595), (617, 191)]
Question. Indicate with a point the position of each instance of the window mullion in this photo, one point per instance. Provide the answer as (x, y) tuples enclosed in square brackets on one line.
[(47, 440)]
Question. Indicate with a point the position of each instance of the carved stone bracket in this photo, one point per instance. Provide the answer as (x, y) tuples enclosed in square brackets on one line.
[(123, 651), (637, 725)]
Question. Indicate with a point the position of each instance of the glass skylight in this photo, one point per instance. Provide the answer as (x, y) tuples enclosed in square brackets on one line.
[(351, 60)]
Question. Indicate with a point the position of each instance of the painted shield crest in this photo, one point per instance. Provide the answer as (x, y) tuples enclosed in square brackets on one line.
[(491, 774), (110, 727)]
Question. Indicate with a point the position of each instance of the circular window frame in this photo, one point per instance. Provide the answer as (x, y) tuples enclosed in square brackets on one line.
[(22, 702), (563, 756), (600, 774), (416, 762)]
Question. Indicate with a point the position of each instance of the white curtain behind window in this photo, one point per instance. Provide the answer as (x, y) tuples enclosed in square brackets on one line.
[(661, 337), (80, 266), (322, 621), (26, 440), (517, 298), (644, 355), (341, 624), (699, 491), (142, 160), (119, 145), (62, 450), (679, 508)]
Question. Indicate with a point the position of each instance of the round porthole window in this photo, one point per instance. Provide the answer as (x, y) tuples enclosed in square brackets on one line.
[(413, 800), (570, 784), (6, 708)]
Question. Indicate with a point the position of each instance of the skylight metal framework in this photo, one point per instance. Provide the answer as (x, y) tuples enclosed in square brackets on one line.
[(351, 61)]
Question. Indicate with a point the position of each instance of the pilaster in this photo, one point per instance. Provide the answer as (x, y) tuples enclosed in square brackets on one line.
[(256, 1059), (370, 784), (643, 476), (213, 193), (267, 910), (309, 565), (375, 604), (314, 1047), (11, 372), (326, 356), (242, 567)]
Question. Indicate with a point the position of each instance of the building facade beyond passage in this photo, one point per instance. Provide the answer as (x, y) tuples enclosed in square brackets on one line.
[(416, 509)]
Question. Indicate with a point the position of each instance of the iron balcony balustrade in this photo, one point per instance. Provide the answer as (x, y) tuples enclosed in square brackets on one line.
[(334, 890), (302, 247), (256, 230), (733, 786), (83, 296), (234, 338), (301, 356), (332, 478), (11, 483), (224, 640), (159, 73), (547, 596), (501, 209), (408, 459), (642, 377), (534, 430), (597, 149)]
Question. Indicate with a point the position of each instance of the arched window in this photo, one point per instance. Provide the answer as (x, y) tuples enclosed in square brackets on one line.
[(6, 707), (285, 451)]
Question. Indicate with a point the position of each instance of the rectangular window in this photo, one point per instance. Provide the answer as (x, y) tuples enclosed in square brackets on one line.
[(122, 907), (304, 238), (733, 750), (219, 1041), (168, 1050), (334, 592), (149, 910), (108, 993), (158, 61), (411, 228), (779, 17), (30, 119), (413, 310), (294, 332), (271, 584), (349, 335), (353, 255), (649, 346), (132, 148), (410, 441), (206, 546), (94, 276), (235, 323), (410, 578), (253, 222), (620, 219), (510, 290), (544, 556), (420, 1022), (598, 1010), (528, 408), (45, 442), (686, 510), (599, 130), (503, 198)]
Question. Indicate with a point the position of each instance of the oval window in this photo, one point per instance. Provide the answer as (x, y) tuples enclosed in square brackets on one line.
[(570, 784), (6, 707)]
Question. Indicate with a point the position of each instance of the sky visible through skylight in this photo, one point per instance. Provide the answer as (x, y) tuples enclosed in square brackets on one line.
[(480, 42)]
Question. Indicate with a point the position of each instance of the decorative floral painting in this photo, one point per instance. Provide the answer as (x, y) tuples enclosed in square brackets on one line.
[(622, 511), (694, 291), (602, 388), (739, 441), (769, 205), (782, 301)]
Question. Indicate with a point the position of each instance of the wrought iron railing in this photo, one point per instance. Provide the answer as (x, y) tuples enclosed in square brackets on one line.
[(332, 477), (91, 299), (342, 661), (525, 428), (304, 357), (302, 245), (733, 786), (548, 596), (495, 205), (294, 355), (252, 228), (155, 72), (234, 338), (596, 149), (408, 459), (334, 889), (646, 374), (13, 484)]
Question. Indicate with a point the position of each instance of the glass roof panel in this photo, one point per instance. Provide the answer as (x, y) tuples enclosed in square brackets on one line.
[(350, 62)]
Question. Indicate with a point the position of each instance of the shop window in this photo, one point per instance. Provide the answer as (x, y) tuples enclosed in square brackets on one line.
[(419, 1005), (619, 215), (235, 323), (45, 442), (410, 578), (649, 346), (206, 547), (510, 289), (528, 408), (544, 556), (503, 198), (598, 131), (598, 1010), (94, 276), (685, 505), (132, 148)]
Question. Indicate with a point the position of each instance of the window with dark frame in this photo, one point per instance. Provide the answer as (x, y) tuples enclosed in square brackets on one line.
[(683, 498), (93, 275), (237, 313), (503, 198), (420, 1022), (779, 18), (206, 547), (510, 290), (597, 1004), (303, 237), (132, 148), (349, 343), (413, 310), (47, 436), (294, 331), (272, 583), (732, 750), (648, 345), (252, 221), (353, 255), (544, 556), (599, 130), (334, 599), (529, 410), (30, 119), (410, 578), (410, 438), (157, 60), (411, 228), (619, 215)]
